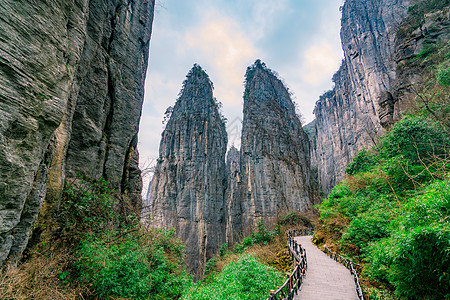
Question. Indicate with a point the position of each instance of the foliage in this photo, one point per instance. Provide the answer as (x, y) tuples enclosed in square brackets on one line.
[(113, 269), (262, 236), (362, 162), (86, 207), (113, 253), (415, 139), (246, 278), (443, 76), (135, 265), (391, 212), (365, 228)]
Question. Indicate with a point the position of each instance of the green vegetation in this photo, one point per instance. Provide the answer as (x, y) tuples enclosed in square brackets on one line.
[(95, 247), (262, 236), (251, 268), (416, 14), (391, 213), (115, 255), (247, 278)]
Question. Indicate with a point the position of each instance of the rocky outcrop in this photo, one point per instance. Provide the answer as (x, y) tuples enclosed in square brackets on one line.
[(188, 186), (352, 115), (72, 76), (275, 163), (376, 80), (233, 196)]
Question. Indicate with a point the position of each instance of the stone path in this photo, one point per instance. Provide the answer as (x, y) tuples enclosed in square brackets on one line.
[(325, 278)]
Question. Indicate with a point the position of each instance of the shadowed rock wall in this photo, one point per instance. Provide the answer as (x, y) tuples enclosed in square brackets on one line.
[(72, 77), (188, 187)]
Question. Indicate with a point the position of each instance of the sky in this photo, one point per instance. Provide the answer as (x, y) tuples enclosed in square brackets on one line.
[(299, 39)]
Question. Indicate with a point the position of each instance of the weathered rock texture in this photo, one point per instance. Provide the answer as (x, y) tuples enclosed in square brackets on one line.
[(368, 92), (275, 163), (188, 187), (233, 196), (71, 88)]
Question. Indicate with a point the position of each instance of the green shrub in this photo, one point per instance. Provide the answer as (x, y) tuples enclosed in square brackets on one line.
[(394, 213), (135, 265), (416, 258), (247, 278), (118, 270), (443, 76), (366, 228), (86, 207), (223, 249), (415, 139), (420, 268), (363, 162), (262, 235)]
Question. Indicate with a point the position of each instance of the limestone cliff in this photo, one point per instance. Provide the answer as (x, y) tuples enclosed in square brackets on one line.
[(275, 163), (368, 92), (188, 186), (233, 196), (72, 77)]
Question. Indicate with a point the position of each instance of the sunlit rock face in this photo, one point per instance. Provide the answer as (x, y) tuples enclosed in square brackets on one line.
[(363, 101), (188, 187), (72, 78), (274, 157)]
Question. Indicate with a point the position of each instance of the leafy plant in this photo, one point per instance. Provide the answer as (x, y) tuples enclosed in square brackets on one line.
[(362, 162), (86, 207), (134, 265), (246, 278), (443, 76)]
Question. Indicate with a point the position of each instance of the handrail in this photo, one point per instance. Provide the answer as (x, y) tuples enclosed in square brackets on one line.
[(298, 254), (349, 265)]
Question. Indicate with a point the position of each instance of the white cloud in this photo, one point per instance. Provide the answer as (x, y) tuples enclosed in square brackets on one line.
[(225, 51), (265, 13), (320, 61), (225, 37)]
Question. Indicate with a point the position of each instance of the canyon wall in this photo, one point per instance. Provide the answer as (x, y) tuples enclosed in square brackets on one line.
[(371, 89), (274, 156), (189, 183), (72, 78)]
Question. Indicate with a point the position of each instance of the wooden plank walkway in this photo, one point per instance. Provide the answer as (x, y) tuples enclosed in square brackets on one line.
[(325, 278)]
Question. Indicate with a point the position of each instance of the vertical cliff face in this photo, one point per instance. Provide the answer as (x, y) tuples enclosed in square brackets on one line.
[(188, 187), (233, 196), (71, 73), (362, 103), (275, 163), (376, 80)]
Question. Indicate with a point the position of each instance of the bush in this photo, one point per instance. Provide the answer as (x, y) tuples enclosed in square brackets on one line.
[(363, 162), (135, 265), (443, 76), (262, 235), (392, 211), (366, 228), (118, 270), (416, 258), (86, 207), (247, 278), (415, 139), (420, 268)]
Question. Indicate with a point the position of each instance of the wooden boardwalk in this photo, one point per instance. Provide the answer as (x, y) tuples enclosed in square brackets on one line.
[(325, 278)]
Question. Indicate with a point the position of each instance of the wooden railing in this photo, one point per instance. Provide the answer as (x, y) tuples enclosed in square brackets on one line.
[(349, 265), (294, 281)]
